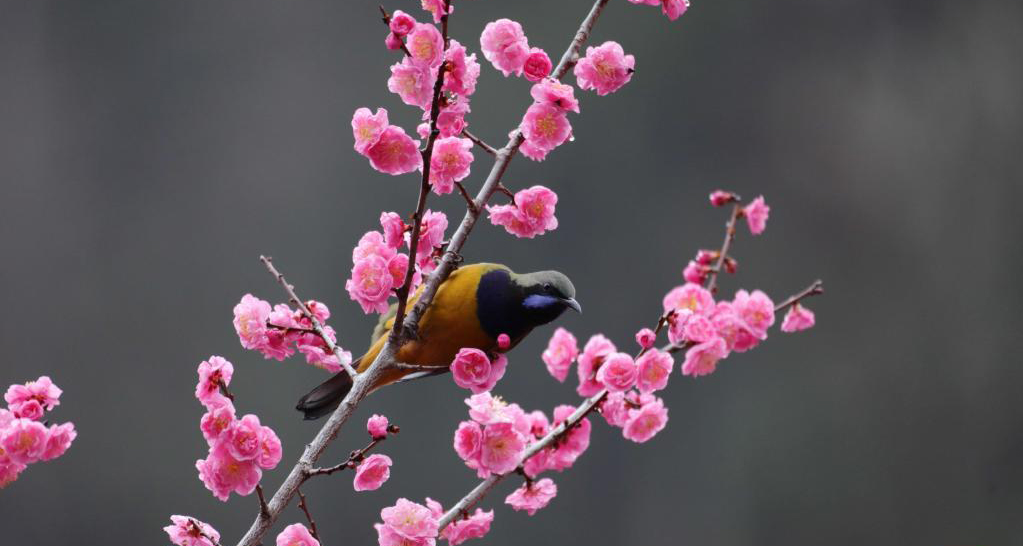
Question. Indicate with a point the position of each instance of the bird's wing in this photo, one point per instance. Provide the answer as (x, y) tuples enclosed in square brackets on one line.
[(382, 327)]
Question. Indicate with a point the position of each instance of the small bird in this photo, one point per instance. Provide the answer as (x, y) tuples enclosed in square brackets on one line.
[(474, 306)]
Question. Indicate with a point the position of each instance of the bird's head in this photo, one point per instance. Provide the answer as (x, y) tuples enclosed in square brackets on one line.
[(545, 295)]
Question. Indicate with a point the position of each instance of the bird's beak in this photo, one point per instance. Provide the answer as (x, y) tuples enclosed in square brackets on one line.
[(574, 305)]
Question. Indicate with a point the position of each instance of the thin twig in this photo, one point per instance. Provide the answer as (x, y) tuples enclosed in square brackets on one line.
[(287, 329), (465, 195), (309, 517), (729, 237), (353, 461), (262, 501), (387, 21), (317, 327), (479, 142)]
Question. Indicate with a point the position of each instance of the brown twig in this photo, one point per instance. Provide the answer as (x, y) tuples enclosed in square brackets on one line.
[(503, 189), (287, 329), (317, 327), (309, 517), (262, 501), (387, 21), (712, 279), (354, 458), (468, 199), (479, 142)]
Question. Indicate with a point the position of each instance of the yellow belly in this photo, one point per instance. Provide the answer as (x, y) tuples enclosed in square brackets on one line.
[(449, 324)]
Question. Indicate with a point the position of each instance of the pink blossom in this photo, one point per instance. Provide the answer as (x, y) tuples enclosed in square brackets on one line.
[(221, 473), (463, 70), (371, 284), (469, 443), (426, 45), (449, 163), (393, 41), (720, 198), (471, 370), (732, 328), (686, 326), (376, 425), (689, 296), (674, 8), (504, 44), (188, 531), (702, 359), (29, 409), (614, 409), (410, 520), (531, 215), (41, 390), (575, 443), (596, 350), (250, 316), (618, 372), (797, 318), (532, 151), (401, 23), (270, 451), (9, 471), (243, 438), (367, 128), (475, 526), (756, 309), (395, 153), (438, 8), (431, 233), (645, 338), (645, 422), (317, 353), (372, 244), (23, 441), (552, 92), (394, 228), (213, 373), (756, 215), (503, 342), (412, 82), (533, 497), (537, 66), (545, 126), (502, 448), (653, 369), (605, 68), (216, 421), (296, 534), (695, 273), (372, 472), (486, 409), (398, 266), (562, 349)]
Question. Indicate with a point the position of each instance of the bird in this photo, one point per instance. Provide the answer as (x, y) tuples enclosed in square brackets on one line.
[(471, 309)]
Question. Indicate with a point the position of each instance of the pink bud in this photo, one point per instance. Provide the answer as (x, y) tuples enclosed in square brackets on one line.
[(538, 65), (393, 41), (402, 23), (645, 338), (503, 341), (720, 198), (377, 426)]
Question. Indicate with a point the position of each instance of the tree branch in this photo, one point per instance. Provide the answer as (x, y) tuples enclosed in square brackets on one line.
[(364, 382), (479, 142), (725, 246), (309, 517), (317, 327)]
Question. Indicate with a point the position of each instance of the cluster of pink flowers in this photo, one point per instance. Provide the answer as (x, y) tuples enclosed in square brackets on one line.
[(188, 531), (472, 369), (671, 8), (505, 45), (278, 332), (239, 449), (23, 438), (605, 68), (409, 523), (532, 496), (378, 266), (545, 125), (531, 213)]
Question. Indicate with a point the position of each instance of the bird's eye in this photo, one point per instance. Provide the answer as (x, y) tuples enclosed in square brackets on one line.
[(547, 286)]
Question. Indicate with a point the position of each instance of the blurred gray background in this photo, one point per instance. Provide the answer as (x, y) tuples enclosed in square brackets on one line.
[(150, 151)]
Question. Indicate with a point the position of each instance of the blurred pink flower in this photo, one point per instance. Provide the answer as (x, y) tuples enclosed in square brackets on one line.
[(756, 214), (410, 520), (188, 531), (213, 373), (426, 45), (501, 450), (533, 498), (645, 422), (23, 441), (562, 349), (702, 359), (296, 534), (372, 472), (376, 425), (401, 23), (797, 318), (463, 70), (475, 526), (555, 93)]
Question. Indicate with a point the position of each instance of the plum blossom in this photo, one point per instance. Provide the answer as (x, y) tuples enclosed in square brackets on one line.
[(756, 310), (372, 472), (596, 350), (618, 373), (645, 338), (756, 214), (449, 163), (250, 316), (702, 359), (367, 128), (393, 41), (469, 442), (244, 437), (217, 420), (532, 213), (645, 422), (371, 284), (561, 351), (605, 68), (503, 342), (395, 152), (426, 45), (689, 296), (188, 531), (463, 70), (504, 44), (797, 318), (695, 272), (502, 448), (213, 373), (296, 534), (652, 370), (401, 23), (532, 497), (410, 520), (674, 8), (472, 370), (438, 8), (537, 65), (23, 441), (475, 526), (376, 426), (720, 198), (552, 92), (545, 126), (412, 82), (393, 228), (222, 474)]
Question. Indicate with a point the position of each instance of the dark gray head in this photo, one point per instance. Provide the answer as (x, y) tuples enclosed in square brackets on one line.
[(514, 304)]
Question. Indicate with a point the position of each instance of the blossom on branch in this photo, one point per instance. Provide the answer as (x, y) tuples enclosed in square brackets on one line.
[(376, 426), (797, 318), (187, 531), (561, 351), (473, 370), (538, 65), (532, 496), (407, 523), (504, 44), (756, 214), (296, 534), (372, 472), (531, 214), (605, 68), (395, 152), (449, 163)]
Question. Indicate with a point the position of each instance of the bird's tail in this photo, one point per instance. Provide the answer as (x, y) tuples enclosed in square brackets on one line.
[(325, 397)]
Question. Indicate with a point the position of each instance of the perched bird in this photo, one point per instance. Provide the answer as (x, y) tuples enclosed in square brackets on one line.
[(474, 306)]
